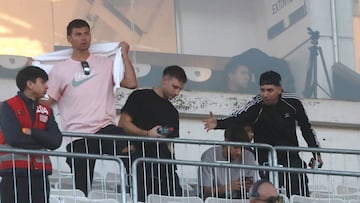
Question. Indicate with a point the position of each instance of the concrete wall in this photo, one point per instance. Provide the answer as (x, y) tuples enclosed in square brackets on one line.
[(204, 29)]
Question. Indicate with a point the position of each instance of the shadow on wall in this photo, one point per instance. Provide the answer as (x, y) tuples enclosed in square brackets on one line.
[(346, 83), (215, 74), (205, 73), (238, 74), (254, 62)]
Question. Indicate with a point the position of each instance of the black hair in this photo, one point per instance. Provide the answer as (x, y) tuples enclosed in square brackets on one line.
[(270, 78), (77, 23), (236, 134), (29, 73), (176, 72), (234, 63), (253, 58), (254, 189)]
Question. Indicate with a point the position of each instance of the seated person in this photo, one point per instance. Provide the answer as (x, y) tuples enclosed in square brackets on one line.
[(227, 182), (264, 191), (250, 132)]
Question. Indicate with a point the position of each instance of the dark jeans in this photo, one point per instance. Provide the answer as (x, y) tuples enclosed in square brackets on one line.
[(39, 190), (84, 168)]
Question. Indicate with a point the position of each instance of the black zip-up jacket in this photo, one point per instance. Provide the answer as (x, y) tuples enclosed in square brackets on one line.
[(275, 124)]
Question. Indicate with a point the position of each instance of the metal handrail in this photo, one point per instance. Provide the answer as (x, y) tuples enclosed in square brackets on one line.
[(75, 155), (229, 165)]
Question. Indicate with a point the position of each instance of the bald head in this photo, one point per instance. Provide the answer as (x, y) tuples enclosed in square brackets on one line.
[(264, 191)]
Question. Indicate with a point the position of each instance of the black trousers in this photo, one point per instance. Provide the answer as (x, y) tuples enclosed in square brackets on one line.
[(294, 183), (158, 178), (84, 168), (39, 186)]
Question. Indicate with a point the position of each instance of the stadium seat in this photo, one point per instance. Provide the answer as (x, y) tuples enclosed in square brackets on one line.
[(153, 198), (302, 199), (316, 188), (223, 200), (336, 196), (66, 192), (100, 194), (346, 189), (86, 200), (53, 199)]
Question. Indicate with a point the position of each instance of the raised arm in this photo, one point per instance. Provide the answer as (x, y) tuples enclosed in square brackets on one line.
[(243, 115), (210, 123), (129, 81)]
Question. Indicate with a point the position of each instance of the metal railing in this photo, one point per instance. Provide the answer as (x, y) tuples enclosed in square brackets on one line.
[(329, 171), (73, 155), (278, 169)]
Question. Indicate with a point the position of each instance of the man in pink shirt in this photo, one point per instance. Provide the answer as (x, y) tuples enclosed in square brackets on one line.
[(83, 88)]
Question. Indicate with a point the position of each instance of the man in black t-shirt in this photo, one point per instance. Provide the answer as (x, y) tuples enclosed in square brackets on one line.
[(144, 112)]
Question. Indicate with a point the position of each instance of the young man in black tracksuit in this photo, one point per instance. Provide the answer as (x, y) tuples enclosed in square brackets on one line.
[(273, 115)]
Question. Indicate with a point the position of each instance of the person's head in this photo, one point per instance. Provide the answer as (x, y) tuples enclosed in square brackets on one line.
[(78, 34), (238, 75), (173, 81), (239, 79), (249, 131), (270, 87), (264, 191), (235, 134), (32, 80)]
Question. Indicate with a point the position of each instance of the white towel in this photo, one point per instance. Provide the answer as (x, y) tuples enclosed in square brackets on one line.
[(110, 49)]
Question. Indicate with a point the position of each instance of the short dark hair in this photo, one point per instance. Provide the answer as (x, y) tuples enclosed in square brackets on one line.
[(236, 134), (29, 73), (270, 78), (176, 72), (77, 23)]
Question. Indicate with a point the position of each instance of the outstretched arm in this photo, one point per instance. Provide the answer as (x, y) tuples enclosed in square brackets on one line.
[(244, 115), (210, 123)]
